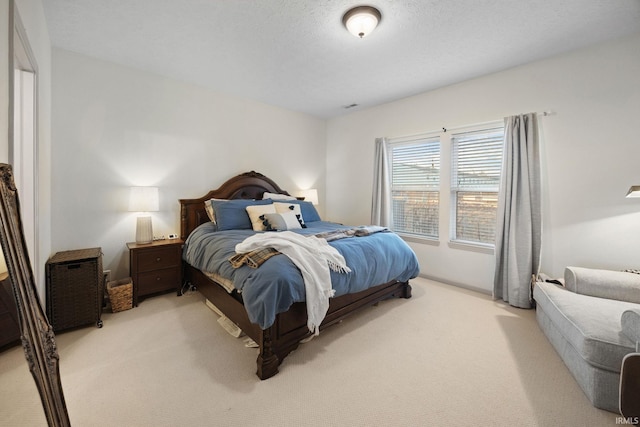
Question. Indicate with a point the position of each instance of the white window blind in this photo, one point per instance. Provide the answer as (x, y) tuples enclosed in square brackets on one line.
[(477, 162), (415, 186)]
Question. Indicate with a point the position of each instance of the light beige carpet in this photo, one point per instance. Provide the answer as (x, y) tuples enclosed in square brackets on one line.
[(447, 356)]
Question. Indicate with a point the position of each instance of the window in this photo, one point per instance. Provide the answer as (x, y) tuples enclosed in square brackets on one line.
[(476, 166), (415, 186)]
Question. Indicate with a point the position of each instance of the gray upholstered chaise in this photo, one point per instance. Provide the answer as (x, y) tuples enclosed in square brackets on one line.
[(583, 322)]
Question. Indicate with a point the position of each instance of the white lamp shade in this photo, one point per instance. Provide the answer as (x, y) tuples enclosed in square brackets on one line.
[(362, 20), (634, 191), (144, 199), (310, 195)]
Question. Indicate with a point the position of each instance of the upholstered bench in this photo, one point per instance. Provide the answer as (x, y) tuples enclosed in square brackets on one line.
[(583, 323)]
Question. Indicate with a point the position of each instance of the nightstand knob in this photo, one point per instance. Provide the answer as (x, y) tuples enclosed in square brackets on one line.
[(158, 259), (157, 279)]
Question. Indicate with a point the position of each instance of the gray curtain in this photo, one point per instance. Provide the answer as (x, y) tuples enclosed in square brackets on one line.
[(381, 206), (519, 221)]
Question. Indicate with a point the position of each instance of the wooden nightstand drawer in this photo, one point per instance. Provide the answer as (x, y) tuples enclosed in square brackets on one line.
[(153, 259), (155, 267), (158, 281)]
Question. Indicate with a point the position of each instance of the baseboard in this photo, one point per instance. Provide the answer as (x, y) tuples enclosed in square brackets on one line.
[(456, 284)]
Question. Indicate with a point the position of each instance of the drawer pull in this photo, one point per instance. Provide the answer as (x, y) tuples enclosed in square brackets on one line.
[(158, 259), (158, 279)]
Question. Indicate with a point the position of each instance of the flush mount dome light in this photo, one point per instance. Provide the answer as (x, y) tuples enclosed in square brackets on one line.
[(361, 20)]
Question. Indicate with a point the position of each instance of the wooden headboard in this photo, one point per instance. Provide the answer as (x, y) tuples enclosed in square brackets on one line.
[(248, 185)]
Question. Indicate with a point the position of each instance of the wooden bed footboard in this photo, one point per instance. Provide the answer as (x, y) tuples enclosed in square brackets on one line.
[(290, 327)]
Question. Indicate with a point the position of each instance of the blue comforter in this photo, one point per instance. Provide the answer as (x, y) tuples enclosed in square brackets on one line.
[(277, 284)]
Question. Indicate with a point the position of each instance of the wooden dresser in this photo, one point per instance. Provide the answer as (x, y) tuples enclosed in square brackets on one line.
[(9, 326), (155, 267)]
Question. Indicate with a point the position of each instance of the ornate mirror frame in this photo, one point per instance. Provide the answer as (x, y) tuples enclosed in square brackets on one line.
[(38, 339)]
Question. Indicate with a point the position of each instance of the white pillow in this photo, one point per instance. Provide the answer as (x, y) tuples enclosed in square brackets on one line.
[(277, 196), (256, 213), (289, 207), (210, 212), (282, 221)]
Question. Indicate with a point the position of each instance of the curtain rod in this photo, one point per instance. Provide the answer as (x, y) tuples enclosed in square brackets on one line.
[(430, 133), (538, 113)]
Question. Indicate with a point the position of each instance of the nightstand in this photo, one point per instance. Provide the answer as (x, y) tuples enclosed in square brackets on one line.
[(155, 267)]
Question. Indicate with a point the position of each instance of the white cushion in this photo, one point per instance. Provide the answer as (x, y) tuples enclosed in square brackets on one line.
[(210, 212), (289, 207), (283, 221), (256, 213), (277, 196)]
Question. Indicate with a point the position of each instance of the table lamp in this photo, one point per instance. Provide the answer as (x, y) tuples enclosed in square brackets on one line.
[(144, 200), (310, 195)]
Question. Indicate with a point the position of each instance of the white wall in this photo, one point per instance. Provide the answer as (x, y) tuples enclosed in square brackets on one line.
[(590, 156), (114, 127)]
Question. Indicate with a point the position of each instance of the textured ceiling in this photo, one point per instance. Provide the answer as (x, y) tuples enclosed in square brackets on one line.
[(296, 54)]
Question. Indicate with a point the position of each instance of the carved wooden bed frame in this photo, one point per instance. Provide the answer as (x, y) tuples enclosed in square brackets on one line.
[(277, 341)]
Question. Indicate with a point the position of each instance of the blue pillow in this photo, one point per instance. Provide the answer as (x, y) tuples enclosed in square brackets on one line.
[(232, 214), (308, 211)]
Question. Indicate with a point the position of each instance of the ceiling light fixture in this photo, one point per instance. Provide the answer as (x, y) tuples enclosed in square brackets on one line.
[(361, 20), (634, 191)]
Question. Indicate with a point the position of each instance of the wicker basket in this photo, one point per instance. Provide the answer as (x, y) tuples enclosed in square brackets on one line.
[(120, 294)]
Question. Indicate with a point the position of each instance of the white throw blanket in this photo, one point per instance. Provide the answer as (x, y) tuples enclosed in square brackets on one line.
[(314, 257)]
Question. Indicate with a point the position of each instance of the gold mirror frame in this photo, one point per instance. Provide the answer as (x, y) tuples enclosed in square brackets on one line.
[(36, 333)]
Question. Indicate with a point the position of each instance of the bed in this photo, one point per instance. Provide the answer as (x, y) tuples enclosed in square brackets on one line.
[(278, 327)]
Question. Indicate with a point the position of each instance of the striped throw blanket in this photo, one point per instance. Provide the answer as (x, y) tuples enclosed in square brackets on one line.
[(253, 259)]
